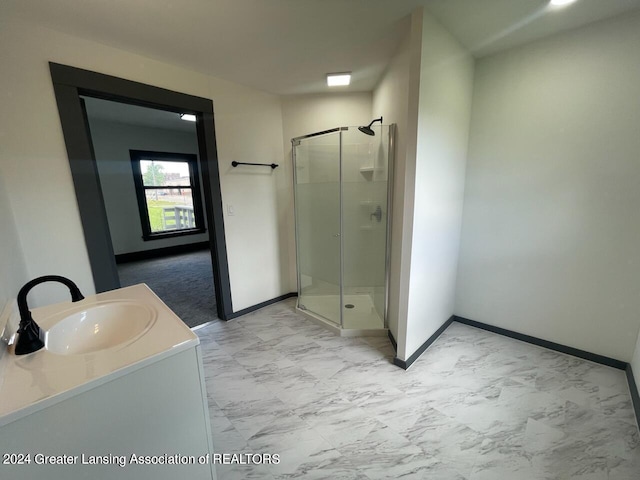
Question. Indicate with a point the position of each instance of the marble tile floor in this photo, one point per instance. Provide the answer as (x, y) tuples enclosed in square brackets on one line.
[(475, 406)]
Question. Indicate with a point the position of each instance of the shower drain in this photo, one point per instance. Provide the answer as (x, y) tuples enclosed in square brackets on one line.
[(349, 305)]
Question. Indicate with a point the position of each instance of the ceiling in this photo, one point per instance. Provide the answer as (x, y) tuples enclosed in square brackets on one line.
[(288, 46), (110, 111)]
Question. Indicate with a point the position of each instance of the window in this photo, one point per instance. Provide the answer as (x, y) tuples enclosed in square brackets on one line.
[(168, 191)]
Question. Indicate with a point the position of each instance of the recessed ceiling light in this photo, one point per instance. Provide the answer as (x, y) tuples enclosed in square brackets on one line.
[(338, 79), (560, 3), (189, 117)]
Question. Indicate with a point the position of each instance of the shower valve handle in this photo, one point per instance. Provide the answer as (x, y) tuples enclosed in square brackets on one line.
[(377, 214)]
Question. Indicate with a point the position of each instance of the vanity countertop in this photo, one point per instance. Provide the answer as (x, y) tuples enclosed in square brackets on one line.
[(35, 381)]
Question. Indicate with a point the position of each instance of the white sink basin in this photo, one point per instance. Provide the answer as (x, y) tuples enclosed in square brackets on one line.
[(100, 326)]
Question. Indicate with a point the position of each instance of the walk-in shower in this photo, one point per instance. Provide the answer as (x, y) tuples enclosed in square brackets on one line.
[(342, 191)]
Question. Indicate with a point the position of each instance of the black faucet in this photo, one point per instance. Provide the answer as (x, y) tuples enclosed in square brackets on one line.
[(30, 336)]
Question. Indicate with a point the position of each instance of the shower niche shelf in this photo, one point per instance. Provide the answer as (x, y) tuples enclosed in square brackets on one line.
[(368, 172)]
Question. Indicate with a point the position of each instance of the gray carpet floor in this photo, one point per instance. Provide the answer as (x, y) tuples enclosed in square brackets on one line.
[(184, 282)]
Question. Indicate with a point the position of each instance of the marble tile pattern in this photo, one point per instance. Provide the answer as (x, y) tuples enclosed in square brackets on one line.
[(475, 406)]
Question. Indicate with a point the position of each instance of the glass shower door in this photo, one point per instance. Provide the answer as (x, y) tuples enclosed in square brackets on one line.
[(317, 210), (365, 181)]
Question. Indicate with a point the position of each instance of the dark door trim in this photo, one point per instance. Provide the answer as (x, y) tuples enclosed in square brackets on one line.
[(69, 84)]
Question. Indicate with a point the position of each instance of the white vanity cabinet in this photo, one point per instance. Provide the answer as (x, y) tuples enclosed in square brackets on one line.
[(133, 422)]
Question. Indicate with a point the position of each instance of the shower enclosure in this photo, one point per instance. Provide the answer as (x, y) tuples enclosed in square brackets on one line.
[(343, 181)]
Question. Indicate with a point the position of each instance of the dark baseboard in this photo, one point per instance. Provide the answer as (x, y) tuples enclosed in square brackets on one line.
[(635, 396), (253, 308), (407, 363), (393, 341), (592, 357), (161, 252)]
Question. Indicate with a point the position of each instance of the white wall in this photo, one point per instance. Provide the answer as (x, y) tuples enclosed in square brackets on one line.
[(111, 143), (38, 179), (391, 101), (635, 362), (552, 219), (444, 109), (13, 273), (304, 114)]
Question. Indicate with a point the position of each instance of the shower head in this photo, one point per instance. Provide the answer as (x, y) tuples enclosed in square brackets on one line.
[(367, 130)]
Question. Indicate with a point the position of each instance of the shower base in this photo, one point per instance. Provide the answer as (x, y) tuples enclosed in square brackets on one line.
[(360, 320)]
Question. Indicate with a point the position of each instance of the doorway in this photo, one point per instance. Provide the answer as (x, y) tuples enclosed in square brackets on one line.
[(149, 171), (70, 86)]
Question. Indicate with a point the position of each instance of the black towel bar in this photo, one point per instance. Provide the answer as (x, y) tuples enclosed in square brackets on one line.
[(272, 165)]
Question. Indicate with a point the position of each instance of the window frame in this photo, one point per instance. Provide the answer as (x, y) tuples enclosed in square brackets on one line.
[(194, 178)]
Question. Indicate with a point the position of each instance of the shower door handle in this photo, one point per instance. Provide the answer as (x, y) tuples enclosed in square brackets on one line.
[(336, 234)]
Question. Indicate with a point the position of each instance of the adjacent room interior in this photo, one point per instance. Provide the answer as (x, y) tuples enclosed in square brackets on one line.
[(455, 296), (151, 187)]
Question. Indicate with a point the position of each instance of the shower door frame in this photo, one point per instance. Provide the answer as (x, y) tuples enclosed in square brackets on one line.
[(391, 164), (341, 232), (390, 178)]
